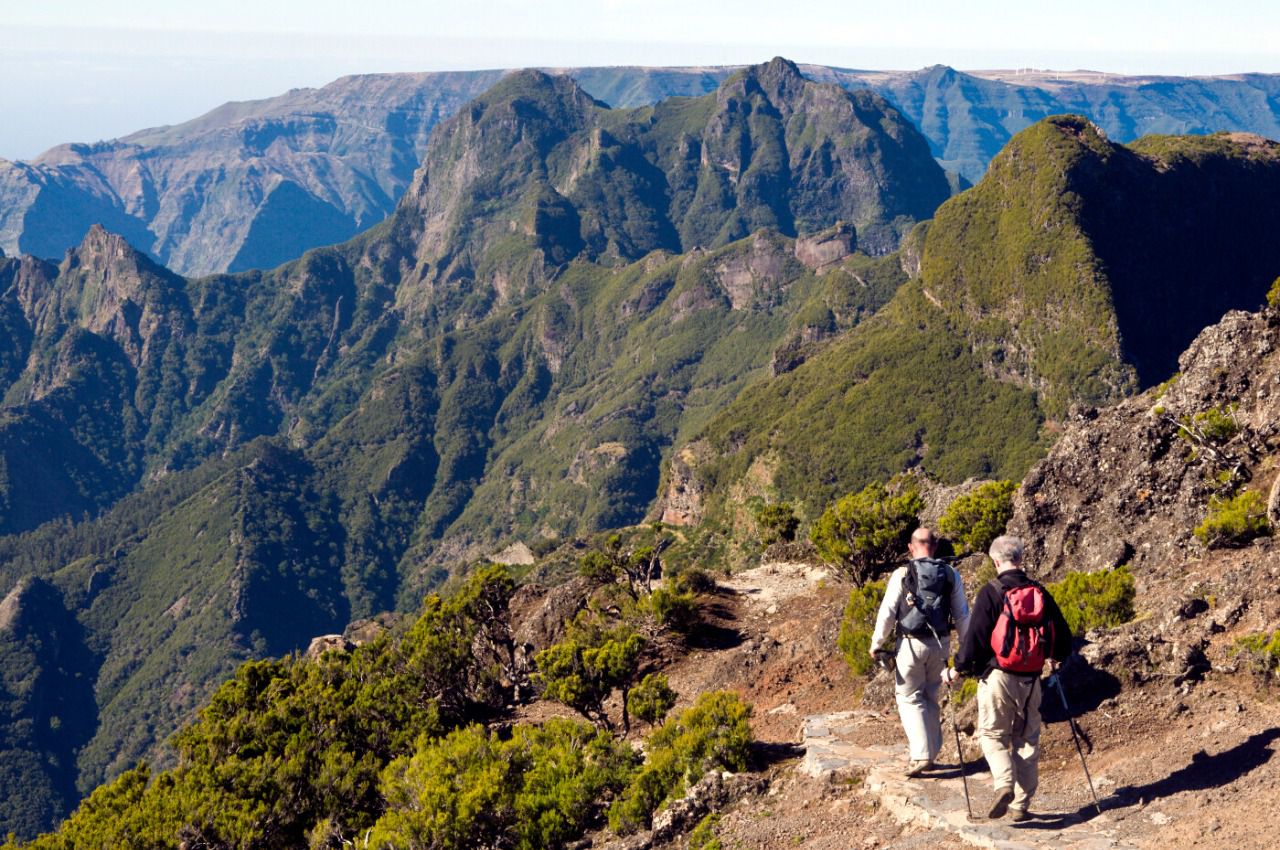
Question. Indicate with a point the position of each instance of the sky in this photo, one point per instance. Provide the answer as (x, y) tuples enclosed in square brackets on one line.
[(85, 70)]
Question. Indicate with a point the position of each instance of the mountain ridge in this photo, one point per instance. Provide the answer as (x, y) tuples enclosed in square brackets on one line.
[(231, 190)]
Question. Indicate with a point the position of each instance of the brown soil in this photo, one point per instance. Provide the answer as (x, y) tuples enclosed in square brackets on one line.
[(1177, 765)]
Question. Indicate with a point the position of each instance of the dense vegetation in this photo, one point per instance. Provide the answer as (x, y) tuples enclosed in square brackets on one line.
[(383, 741)]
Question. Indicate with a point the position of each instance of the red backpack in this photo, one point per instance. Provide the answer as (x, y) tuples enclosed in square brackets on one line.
[(1023, 636)]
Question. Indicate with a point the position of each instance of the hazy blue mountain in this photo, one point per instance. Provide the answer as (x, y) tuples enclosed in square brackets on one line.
[(251, 185)]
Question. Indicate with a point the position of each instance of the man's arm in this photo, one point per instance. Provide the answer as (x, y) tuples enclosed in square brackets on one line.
[(974, 651), (886, 617)]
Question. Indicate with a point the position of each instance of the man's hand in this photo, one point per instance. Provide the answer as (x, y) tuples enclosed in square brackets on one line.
[(885, 659), (950, 675)]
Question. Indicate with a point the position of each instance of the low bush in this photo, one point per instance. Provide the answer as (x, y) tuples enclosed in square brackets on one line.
[(857, 625), (651, 699), (715, 734), (1261, 650), (975, 519), (965, 693), (1100, 600), (703, 836), (777, 523), (672, 609), (695, 580), (1234, 520), (1216, 425)]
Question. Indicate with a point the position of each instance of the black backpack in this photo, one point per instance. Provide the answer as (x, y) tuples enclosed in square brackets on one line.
[(925, 605)]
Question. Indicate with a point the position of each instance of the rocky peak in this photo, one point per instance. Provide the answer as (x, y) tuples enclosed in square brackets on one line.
[(779, 77), (1129, 484), (31, 602), (109, 288)]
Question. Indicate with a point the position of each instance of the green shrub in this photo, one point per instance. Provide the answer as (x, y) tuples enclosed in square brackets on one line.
[(985, 573), (1262, 652), (777, 523), (1216, 425), (1273, 294), (651, 699), (967, 691), (703, 836), (857, 625), (1163, 388), (863, 532), (695, 580), (539, 789), (1234, 520), (1100, 600), (587, 666), (672, 609), (715, 734), (975, 519)]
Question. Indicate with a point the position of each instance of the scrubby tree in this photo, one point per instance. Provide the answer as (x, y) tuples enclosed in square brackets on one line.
[(863, 532), (652, 699), (777, 523), (975, 519), (636, 567), (592, 661)]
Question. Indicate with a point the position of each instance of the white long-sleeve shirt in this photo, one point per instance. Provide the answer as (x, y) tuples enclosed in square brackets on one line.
[(886, 617)]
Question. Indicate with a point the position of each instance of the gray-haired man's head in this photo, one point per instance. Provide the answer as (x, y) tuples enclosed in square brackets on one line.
[(1006, 552)]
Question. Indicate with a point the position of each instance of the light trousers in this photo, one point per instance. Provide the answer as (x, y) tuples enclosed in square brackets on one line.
[(1009, 732), (920, 663)]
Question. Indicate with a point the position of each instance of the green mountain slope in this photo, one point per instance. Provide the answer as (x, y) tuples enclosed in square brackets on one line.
[(1073, 273), (560, 298)]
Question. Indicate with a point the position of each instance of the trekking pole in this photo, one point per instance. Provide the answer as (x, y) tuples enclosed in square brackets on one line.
[(1056, 681), (955, 727), (964, 770)]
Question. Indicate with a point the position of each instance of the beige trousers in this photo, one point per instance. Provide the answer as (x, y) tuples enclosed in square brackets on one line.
[(1009, 732), (919, 678)]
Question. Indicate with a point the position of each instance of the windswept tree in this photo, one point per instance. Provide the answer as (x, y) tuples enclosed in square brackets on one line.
[(594, 659), (862, 533)]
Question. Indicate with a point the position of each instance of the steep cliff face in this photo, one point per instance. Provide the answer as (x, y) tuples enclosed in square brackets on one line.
[(1130, 483)]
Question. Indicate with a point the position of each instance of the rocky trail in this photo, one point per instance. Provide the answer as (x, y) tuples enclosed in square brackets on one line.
[(937, 800), (1175, 765)]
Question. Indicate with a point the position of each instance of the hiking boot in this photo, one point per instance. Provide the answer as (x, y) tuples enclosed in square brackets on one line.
[(918, 766), (1001, 805), (1019, 815)]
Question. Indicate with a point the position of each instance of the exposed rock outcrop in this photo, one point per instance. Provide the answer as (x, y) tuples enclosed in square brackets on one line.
[(824, 249), (1129, 484)]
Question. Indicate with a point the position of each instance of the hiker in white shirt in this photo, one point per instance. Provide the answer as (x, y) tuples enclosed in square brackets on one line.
[(923, 603)]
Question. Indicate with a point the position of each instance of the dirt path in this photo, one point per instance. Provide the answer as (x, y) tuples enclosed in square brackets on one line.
[(1175, 767)]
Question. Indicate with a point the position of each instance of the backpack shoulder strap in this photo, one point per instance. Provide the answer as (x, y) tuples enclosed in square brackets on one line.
[(911, 579)]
